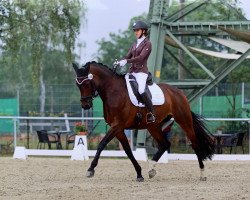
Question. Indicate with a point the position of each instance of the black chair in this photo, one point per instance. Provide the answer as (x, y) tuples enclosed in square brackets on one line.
[(6, 148), (240, 141), (45, 138), (70, 139), (228, 142)]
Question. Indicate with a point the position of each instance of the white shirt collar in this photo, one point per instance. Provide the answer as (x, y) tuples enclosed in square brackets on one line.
[(140, 40)]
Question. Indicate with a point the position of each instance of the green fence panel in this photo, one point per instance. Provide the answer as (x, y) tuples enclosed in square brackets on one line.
[(216, 106), (8, 107), (101, 126)]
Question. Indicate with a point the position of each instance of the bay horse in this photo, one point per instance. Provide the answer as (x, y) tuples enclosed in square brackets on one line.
[(120, 114)]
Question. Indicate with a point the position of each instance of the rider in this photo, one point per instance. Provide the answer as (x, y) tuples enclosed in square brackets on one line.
[(137, 57)]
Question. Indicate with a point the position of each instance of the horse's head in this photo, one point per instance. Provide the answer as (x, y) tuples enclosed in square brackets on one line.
[(86, 85)]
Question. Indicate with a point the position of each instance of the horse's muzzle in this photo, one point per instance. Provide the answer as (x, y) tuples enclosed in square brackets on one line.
[(86, 107), (86, 102)]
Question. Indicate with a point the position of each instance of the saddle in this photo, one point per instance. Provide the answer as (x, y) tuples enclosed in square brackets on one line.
[(154, 91), (134, 86)]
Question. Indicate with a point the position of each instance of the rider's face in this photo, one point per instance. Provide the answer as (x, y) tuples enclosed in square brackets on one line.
[(138, 33)]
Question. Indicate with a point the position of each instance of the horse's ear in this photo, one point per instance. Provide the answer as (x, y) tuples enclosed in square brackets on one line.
[(75, 66)]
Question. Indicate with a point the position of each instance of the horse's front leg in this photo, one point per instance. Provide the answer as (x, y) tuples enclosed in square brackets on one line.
[(107, 138), (125, 144)]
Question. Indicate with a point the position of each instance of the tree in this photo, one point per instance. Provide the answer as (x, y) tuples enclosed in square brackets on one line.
[(30, 30)]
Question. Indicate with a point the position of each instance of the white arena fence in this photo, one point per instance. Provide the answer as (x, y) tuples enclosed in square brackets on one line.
[(83, 154), (79, 152)]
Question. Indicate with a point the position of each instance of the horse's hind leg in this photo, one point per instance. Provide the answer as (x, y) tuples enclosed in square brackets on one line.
[(187, 126), (125, 144), (202, 168), (188, 129)]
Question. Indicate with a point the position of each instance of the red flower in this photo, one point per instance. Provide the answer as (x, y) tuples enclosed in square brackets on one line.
[(80, 127)]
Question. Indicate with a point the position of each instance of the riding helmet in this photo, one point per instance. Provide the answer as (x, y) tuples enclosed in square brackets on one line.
[(140, 25)]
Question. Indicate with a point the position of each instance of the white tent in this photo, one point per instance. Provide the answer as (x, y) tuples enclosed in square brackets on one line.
[(239, 46), (232, 44), (232, 56)]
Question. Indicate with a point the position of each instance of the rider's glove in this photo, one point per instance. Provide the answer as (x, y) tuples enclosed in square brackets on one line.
[(122, 62), (116, 63)]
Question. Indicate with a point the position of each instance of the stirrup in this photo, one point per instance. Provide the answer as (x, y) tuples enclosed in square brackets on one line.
[(150, 118)]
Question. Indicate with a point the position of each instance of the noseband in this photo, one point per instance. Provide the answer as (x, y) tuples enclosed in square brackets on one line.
[(80, 80)]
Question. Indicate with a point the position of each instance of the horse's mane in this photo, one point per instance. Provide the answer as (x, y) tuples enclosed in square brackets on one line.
[(103, 65)]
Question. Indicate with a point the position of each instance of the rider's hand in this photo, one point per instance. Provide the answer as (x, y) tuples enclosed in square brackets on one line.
[(116, 63), (122, 62)]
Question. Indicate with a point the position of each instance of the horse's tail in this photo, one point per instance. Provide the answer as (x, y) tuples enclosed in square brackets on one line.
[(205, 140)]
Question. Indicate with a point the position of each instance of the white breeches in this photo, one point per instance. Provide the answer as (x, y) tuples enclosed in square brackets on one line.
[(141, 79)]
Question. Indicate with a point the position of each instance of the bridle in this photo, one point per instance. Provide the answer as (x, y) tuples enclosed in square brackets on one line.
[(80, 80)]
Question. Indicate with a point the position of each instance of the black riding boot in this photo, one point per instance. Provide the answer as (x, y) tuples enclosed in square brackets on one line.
[(148, 103)]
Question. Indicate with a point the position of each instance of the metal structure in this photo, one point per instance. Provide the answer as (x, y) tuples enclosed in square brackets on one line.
[(163, 25)]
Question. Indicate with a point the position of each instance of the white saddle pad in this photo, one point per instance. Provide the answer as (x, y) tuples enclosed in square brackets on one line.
[(157, 94)]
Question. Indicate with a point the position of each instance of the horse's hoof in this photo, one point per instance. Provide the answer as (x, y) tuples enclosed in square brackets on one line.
[(203, 178), (90, 174), (140, 179), (151, 173)]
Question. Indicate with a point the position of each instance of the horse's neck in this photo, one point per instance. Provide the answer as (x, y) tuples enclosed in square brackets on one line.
[(100, 75), (104, 79)]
